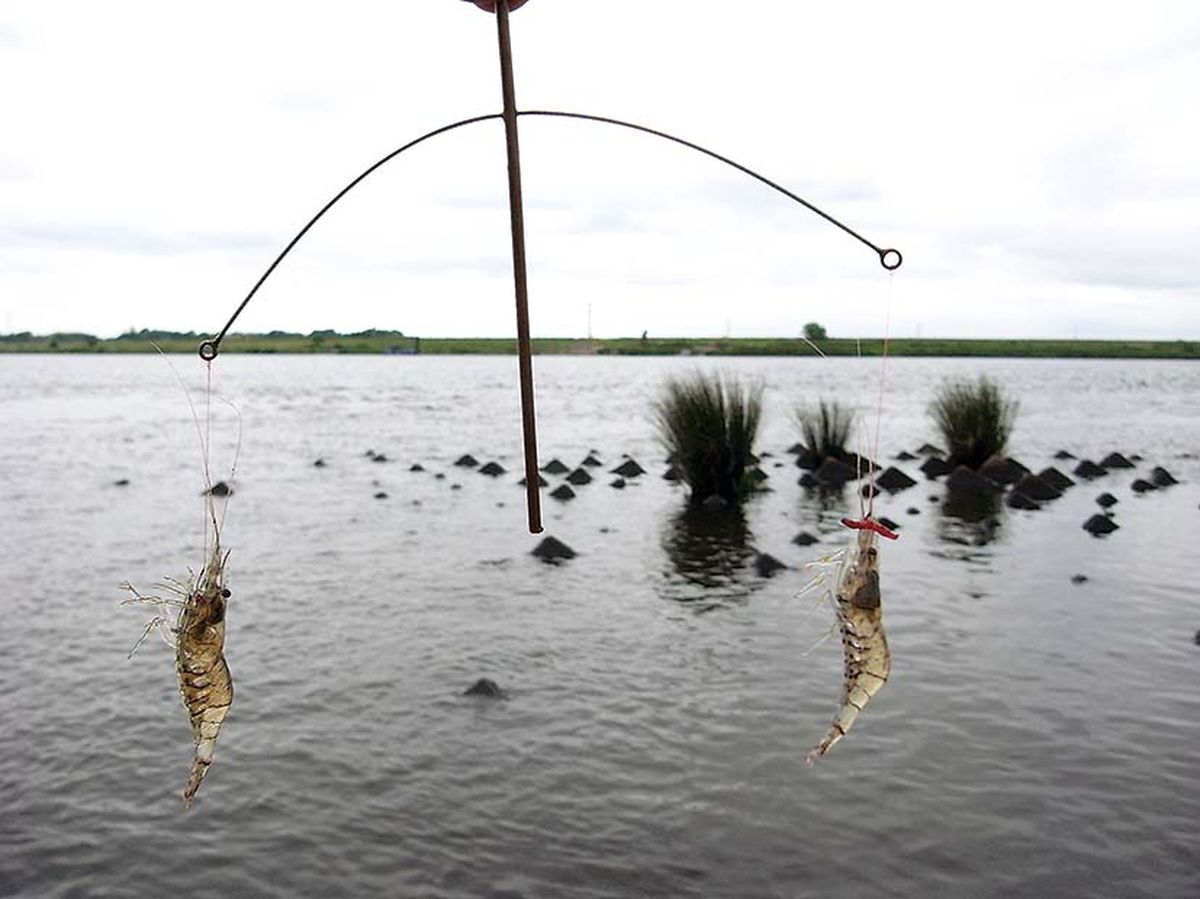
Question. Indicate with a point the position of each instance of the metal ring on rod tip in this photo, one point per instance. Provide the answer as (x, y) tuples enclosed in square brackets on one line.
[(890, 259), (208, 350)]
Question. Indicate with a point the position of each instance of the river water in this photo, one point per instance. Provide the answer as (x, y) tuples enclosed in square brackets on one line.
[(1038, 736)]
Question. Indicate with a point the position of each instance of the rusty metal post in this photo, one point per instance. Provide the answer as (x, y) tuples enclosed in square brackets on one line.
[(524, 350)]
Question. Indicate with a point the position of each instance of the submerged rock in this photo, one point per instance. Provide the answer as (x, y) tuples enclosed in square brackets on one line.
[(904, 456), (928, 449), (121, 482), (766, 565), (1142, 486), (551, 549), (487, 688), (416, 466), (320, 463), (964, 480), (379, 457), (1161, 477), (493, 469), (869, 491), (1115, 460), (804, 538), (1003, 469), (1035, 488), (542, 482), (894, 480), (619, 483), (912, 510), (563, 492), (466, 461), (672, 474), (935, 467), (1105, 500), (1018, 500), (1079, 579), (1089, 469), (579, 477), (591, 461), (381, 495), (629, 469), (1062, 454), (834, 473), (1098, 525), (219, 489), (554, 466), (807, 480), (1055, 478), (757, 475)]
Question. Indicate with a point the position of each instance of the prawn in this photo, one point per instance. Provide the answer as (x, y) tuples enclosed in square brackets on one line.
[(856, 598), (198, 637)]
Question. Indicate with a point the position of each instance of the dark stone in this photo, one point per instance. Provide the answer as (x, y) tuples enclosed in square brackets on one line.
[(554, 466), (964, 480), (767, 565), (1018, 500), (379, 457), (1079, 579), (219, 489), (913, 510), (619, 483), (1055, 478), (579, 476), (904, 456), (807, 460), (928, 449), (1115, 460), (888, 523), (1098, 525), (860, 463), (672, 474), (486, 688), (894, 480), (416, 466), (629, 469), (1142, 486), (121, 482), (1106, 499), (796, 448), (551, 549), (766, 454), (563, 492), (807, 480), (935, 467), (804, 538), (869, 490), (758, 475), (381, 495), (591, 461), (492, 469), (1197, 638), (1003, 470), (320, 463), (1134, 457), (440, 476), (370, 454), (834, 473), (542, 482), (1063, 454), (456, 486), (1035, 488), (1088, 469), (466, 461), (1162, 478)]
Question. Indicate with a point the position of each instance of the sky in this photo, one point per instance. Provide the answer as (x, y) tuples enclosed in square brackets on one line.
[(1036, 163)]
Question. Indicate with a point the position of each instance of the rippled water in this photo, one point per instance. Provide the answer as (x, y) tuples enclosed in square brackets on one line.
[(1038, 737)]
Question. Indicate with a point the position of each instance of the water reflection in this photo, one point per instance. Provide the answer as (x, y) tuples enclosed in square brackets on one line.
[(709, 556), (969, 518)]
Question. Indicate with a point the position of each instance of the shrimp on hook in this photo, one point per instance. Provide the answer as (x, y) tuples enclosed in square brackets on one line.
[(856, 599)]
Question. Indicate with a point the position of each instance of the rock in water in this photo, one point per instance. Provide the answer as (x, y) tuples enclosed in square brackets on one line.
[(542, 482), (905, 456), (579, 476), (1142, 486), (492, 469), (1055, 478), (834, 473), (320, 463), (804, 538), (1115, 460), (1162, 478), (1099, 525), (1105, 500), (935, 467), (591, 461), (121, 482), (1035, 488), (1018, 500), (467, 461), (928, 449), (1089, 469), (487, 688), (964, 480), (672, 474), (1003, 470), (554, 466), (629, 469), (219, 489), (619, 483), (1079, 579), (893, 480), (563, 492), (416, 466), (1063, 454), (379, 457), (767, 565), (551, 549)]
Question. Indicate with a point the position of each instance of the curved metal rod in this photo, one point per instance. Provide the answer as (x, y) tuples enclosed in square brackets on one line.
[(889, 258)]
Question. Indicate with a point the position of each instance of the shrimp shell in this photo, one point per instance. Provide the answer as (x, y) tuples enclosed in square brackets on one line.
[(867, 661)]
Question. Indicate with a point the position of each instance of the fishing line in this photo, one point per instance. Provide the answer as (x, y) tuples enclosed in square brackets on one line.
[(883, 361)]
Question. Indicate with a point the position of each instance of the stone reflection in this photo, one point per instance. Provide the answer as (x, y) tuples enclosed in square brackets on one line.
[(969, 518), (709, 554)]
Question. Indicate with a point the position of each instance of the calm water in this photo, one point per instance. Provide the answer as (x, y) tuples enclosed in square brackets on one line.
[(1038, 737)]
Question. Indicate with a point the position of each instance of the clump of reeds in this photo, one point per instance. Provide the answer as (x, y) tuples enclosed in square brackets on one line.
[(825, 431), (975, 418), (708, 424)]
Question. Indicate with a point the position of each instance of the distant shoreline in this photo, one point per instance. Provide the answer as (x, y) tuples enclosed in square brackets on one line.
[(392, 342)]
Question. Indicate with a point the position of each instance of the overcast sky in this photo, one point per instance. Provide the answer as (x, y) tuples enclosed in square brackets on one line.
[(1037, 163)]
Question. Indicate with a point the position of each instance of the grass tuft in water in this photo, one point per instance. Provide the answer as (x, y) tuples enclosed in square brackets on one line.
[(708, 423), (825, 430), (975, 419)]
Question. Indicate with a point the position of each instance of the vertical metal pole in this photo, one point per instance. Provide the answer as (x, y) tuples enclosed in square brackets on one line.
[(524, 352)]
